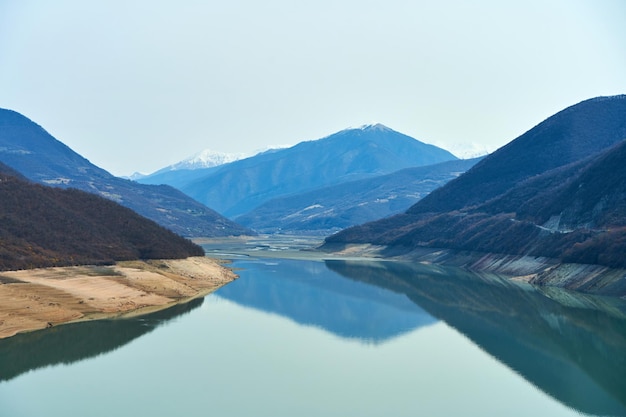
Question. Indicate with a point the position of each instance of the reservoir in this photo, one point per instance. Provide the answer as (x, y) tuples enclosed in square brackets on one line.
[(299, 335)]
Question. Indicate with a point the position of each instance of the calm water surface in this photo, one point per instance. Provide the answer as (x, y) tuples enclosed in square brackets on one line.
[(298, 337)]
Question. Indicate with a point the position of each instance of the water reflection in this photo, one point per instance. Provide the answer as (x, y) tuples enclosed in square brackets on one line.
[(552, 338), (309, 293), (572, 347), (74, 342)]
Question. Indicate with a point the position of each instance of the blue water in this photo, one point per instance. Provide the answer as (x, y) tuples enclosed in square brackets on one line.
[(338, 338)]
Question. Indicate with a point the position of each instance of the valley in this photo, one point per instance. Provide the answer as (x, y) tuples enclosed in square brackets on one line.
[(512, 259), (552, 198), (336, 209)]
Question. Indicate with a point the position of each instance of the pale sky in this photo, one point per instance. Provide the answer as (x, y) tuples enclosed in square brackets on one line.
[(138, 85)]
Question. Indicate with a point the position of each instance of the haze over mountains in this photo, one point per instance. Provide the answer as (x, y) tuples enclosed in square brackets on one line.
[(559, 191), (317, 187), (29, 149), (246, 189), (329, 209)]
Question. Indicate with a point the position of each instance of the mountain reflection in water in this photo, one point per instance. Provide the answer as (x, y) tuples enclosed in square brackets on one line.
[(309, 293), (571, 346), (77, 341)]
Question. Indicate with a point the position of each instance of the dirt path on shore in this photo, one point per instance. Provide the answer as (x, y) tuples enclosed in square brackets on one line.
[(39, 298)]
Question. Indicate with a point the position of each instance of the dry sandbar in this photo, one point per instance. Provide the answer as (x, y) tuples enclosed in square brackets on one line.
[(38, 298)]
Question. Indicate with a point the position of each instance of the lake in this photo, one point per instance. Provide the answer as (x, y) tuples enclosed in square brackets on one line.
[(297, 335)]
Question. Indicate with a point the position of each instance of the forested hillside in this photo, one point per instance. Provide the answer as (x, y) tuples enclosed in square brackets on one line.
[(41, 226)]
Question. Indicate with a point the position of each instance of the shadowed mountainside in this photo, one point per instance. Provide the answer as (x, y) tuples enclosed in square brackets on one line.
[(29, 149), (571, 135)]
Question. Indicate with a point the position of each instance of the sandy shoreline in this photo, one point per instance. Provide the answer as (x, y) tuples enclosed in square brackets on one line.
[(39, 298)]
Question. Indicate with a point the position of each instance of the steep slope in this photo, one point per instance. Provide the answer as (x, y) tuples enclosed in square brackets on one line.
[(587, 194), (30, 150), (328, 209), (571, 135), (352, 154), (44, 226), (572, 210), (580, 217)]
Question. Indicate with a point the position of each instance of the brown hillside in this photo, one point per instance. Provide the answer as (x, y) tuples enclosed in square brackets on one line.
[(42, 226)]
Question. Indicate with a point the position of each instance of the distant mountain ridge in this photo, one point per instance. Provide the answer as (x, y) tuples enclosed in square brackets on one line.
[(559, 190), (352, 154), (30, 150), (329, 209)]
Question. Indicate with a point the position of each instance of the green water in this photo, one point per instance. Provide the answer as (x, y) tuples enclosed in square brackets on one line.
[(337, 338)]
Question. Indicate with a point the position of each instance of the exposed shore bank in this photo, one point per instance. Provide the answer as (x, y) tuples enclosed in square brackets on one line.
[(40, 298), (585, 278)]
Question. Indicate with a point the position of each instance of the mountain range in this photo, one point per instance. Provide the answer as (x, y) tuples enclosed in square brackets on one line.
[(558, 191), (29, 149), (328, 209), (246, 189), (42, 226)]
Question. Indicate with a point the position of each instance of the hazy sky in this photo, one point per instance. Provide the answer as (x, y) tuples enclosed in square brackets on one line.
[(138, 85)]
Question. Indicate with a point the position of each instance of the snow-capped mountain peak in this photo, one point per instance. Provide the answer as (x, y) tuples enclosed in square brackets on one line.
[(369, 126), (207, 159), (466, 150), (374, 126)]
